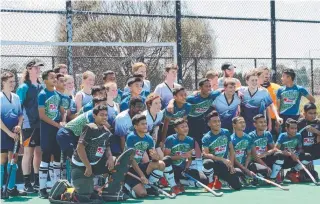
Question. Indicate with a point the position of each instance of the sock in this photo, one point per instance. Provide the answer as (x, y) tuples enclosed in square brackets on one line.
[(51, 173), (276, 167), (209, 174), (26, 179), (43, 175), (168, 173), (36, 179), (12, 179), (155, 176), (56, 172), (2, 175)]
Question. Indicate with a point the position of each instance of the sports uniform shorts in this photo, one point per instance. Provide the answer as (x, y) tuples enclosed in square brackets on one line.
[(31, 137), (48, 141), (132, 182), (7, 143)]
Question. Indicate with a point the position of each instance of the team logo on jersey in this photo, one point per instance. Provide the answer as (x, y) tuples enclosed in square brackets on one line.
[(261, 145), (52, 107), (240, 149), (179, 149), (290, 145), (308, 141), (219, 146), (288, 100), (11, 114), (200, 108)]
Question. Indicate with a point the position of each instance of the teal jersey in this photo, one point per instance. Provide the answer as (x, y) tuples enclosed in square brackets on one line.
[(51, 102)]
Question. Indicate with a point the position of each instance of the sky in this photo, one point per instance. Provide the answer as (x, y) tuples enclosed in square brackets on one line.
[(233, 38)]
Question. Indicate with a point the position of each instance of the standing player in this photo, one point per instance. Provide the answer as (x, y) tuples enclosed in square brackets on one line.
[(84, 95), (290, 145), (110, 76), (219, 154), (113, 107), (97, 92), (28, 93), (179, 147), (65, 100), (228, 72), (11, 121), (135, 85), (289, 96), (142, 143), (69, 91), (255, 101), (123, 124), (164, 90), (228, 104), (140, 68), (263, 145), (212, 76), (62, 69), (50, 112)]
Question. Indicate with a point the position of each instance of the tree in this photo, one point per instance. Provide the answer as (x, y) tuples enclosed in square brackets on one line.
[(302, 77), (197, 38)]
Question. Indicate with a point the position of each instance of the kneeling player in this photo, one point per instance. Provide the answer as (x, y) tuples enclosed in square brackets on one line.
[(290, 144), (219, 153), (262, 141), (179, 146), (141, 143)]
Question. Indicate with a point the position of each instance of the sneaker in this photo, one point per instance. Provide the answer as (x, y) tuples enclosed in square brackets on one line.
[(217, 184), (293, 176), (181, 187), (29, 188), (152, 191), (163, 182), (279, 179), (43, 193), (176, 190), (14, 192), (36, 187)]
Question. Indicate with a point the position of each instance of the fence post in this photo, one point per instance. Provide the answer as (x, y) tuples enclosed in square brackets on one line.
[(69, 35), (178, 38), (196, 72), (52, 61), (273, 40), (255, 63), (312, 77)]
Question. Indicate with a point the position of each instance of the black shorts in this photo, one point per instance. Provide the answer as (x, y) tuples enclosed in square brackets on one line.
[(132, 182), (9, 150), (48, 141), (31, 137), (314, 150)]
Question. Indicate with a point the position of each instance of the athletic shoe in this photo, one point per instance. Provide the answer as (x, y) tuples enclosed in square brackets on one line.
[(210, 185), (29, 188), (163, 182), (217, 184), (181, 187), (176, 190), (43, 193), (152, 191), (36, 187), (293, 176), (14, 192)]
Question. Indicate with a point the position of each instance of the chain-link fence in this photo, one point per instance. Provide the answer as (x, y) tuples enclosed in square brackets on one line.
[(211, 33)]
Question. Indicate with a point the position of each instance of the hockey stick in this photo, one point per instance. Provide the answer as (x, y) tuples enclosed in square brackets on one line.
[(5, 190), (269, 182), (155, 187), (204, 186), (308, 172)]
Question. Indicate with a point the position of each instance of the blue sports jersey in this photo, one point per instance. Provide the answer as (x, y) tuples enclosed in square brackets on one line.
[(261, 142), (218, 145), (119, 96), (76, 125), (200, 106), (178, 112), (289, 144), (146, 88), (65, 101), (87, 107), (123, 124), (124, 105), (179, 147), (28, 94), (139, 144), (165, 93), (290, 98), (73, 106), (86, 98), (253, 104), (10, 111), (242, 145), (51, 102), (227, 111), (113, 111)]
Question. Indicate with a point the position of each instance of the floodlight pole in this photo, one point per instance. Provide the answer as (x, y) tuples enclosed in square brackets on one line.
[(69, 36), (178, 38), (273, 40)]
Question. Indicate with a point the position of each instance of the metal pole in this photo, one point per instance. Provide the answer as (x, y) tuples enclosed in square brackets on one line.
[(255, 63), (69, 36), (178, 38), (52, 61), (196, 72), (312, 77), (273, 40)]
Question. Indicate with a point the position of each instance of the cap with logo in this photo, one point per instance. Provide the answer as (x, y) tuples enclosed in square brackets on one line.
[(227, 65), (34, 63)]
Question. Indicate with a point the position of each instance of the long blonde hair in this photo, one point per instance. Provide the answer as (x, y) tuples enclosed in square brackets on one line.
[(85, 76)]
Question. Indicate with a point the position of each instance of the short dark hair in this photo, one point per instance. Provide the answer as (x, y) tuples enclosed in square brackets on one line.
[(95, 89), (257, 117), (202, 81), (99, 108), (236, 119), (309, 106), (290, 121), (134, 101), (211, 115), (290, 72), (133, 80), (106, 73), (5, 76), (46, 73), (58, 75), (96, 100), (137, 118), (137, 75), (177, 90), (178, 122)]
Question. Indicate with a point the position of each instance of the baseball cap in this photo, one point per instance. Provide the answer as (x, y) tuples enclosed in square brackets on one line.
[(34, 63), (227, 65)]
